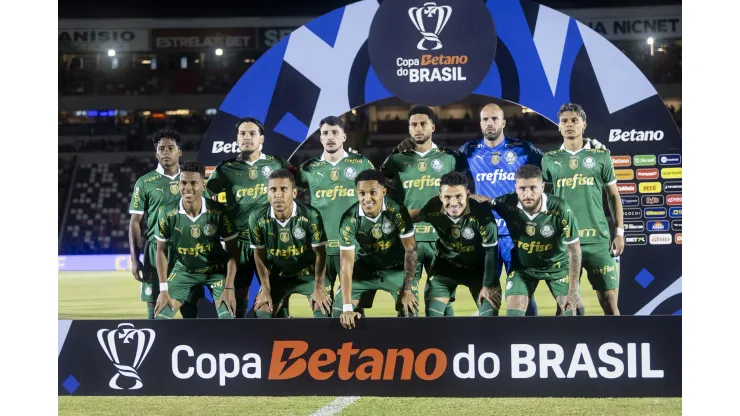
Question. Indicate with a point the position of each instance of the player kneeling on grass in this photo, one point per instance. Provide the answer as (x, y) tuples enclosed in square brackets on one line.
[(289, 244), (466, 248), (379, 231), (546, 245), (194, 230)]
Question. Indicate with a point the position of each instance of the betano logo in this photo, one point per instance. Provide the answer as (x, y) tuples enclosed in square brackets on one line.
[(621, 161), (222, 147), (633, 135)]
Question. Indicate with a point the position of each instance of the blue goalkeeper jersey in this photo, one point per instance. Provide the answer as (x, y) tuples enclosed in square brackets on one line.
[(494, 169)]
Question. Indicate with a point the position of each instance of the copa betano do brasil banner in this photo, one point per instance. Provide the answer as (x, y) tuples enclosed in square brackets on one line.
[(629, 356)]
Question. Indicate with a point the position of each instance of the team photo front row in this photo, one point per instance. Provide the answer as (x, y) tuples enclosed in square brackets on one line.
[(378, 250)]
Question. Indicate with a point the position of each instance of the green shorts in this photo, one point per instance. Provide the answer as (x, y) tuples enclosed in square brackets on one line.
[(283, 287), (366, 280), (181, 284), (425, 252), (246, 267), (444, 279), (519, 284), (150, 285), (332, 269), (600, 266)]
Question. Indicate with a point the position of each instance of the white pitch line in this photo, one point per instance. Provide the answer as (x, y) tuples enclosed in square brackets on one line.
[(336, 406)]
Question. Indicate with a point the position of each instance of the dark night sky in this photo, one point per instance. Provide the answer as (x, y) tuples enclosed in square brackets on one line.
[(75, 9)]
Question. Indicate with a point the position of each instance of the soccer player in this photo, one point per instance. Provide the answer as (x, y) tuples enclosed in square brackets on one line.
[(244, 180), (578, 173), (281, 235), (493, 162), (466, 249), (545, 236), (194, 231), (330, 182), (153, 193), (379, 231), (414, 170)]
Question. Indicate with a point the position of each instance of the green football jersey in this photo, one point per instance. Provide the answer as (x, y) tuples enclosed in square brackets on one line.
[(289, 245), (377, 241), (245, 185), (460, 239), (579, 178), (417, 176), (539, 241), (153, 193), (332, 190), (196, 242)]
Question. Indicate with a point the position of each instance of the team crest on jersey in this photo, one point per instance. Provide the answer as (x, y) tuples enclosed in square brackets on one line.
[(252, 173), (547, 230), (174, 189), (495, 158), (455, 232), (266, 171), (422, 165), (573, 163), (510, 157), (468, 233), (210, 230), (195, 230), (388, 227), (376, 232), (334, 174), (437, 165), (299, 233), (350, 173), (589, 162), (531, 229), (284, 236)]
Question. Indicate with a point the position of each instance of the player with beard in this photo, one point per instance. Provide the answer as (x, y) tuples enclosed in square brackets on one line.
[(545, 235), (153, 193), (329, 180), (244, 180), (414, 170)]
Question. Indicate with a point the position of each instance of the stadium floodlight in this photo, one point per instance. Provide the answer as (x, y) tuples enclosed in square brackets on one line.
[(219, 52), (111, 52), (650, 41)]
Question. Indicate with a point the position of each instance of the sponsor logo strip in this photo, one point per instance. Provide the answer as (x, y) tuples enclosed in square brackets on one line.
[(675, 212), (659, 225), (630, 201), (669, 159), (647, 174), (621, 161), (644, 160), (661, 239), (626, 188), (624, 174), (650, 187), (671, 173), (652, 200), (635, 239), (657, 212)]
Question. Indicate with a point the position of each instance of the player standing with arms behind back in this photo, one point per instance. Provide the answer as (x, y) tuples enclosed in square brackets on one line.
[(330, 182), (153, 193), (545, 235), (244, 179), (578, 174)]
